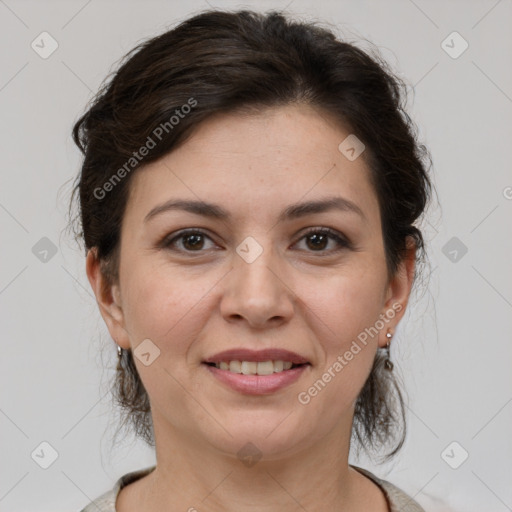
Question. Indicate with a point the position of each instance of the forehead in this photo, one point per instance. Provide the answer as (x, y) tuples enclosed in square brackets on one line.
[(250, 162)]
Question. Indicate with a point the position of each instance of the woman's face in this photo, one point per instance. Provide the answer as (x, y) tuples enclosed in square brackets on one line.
[(254, 280)]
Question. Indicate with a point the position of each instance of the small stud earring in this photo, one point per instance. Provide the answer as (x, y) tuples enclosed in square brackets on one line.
[(387, 363), (119, 351)]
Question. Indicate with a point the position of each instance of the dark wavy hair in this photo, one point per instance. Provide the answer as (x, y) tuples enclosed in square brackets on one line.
[(245, 61)]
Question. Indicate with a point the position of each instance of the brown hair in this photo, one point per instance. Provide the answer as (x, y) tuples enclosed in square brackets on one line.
[(219, 61)]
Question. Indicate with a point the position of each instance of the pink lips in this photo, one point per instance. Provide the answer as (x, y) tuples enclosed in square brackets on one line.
[(270, 354), (257, 384)]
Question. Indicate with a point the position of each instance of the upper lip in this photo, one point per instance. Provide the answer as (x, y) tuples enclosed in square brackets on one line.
[(269, 354)]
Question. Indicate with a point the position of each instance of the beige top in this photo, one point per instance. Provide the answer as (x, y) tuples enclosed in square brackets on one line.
[(398, 501)]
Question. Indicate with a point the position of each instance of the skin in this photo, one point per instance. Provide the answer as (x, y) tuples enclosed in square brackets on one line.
[(194, 304)]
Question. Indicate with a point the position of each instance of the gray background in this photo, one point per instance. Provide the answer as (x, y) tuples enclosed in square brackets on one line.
[(453, 348)]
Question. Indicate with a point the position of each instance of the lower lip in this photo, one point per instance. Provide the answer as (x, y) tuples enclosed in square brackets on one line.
[(257, 384)]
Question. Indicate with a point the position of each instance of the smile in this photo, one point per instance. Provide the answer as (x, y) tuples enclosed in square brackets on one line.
[(256, 372), (254, 368), (244, 376)]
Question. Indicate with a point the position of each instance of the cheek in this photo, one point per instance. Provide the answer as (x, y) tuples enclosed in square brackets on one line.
[(164, 305), (344, 305), (165, 308), (343, 308)]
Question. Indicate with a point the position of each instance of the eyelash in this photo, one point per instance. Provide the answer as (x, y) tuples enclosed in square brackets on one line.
[(340, 241)]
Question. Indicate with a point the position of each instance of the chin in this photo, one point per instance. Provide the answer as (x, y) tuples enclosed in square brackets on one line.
[(261, 435)]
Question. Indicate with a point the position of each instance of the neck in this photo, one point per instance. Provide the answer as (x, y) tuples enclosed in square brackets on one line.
[(190, 475)]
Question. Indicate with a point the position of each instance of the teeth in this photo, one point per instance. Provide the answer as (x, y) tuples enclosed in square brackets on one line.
[(254, 368), (249, 367), (278, 366), (265, 368), (235, 367)]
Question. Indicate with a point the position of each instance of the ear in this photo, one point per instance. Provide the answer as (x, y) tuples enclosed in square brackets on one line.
[(398, 292), (108, 298)]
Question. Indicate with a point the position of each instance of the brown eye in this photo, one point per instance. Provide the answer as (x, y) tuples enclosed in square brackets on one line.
[(317, 240), (187, 241), (193, 242)]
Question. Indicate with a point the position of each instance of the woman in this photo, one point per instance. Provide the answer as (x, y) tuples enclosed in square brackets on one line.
[(248, 201)]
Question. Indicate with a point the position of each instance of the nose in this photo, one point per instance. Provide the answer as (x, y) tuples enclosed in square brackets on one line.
[(258, 292)]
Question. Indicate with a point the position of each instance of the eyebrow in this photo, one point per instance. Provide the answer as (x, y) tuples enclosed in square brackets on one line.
[(293, 211)]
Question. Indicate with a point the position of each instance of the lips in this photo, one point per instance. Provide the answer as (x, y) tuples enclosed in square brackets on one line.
[(242, 354), (257, 372)]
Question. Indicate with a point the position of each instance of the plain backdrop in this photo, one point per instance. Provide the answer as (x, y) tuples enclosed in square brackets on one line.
[(453, 349)]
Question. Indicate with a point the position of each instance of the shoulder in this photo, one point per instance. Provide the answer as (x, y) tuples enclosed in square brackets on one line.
[(399, 501), (104, 503), (107, 501)]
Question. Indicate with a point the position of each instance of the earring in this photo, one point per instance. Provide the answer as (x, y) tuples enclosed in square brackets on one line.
[(119, 351), (387, 363)]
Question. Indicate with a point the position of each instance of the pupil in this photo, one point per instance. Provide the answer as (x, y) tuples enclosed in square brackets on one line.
[(318, 237), (196, 241)]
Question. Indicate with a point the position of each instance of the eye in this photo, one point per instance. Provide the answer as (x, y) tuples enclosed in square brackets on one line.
[(317, 239), (193, 240), (190, 240)]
